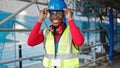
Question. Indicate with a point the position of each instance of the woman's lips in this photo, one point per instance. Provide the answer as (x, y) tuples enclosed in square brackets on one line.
[(55, 21)]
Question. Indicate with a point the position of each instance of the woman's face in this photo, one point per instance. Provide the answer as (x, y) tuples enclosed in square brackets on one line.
[(56, 17)]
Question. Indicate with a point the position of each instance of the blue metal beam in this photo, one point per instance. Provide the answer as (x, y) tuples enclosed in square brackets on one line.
[(111, 34)]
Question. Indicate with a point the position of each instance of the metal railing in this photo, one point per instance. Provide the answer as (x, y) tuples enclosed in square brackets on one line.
[(19, 59), (38, 56)]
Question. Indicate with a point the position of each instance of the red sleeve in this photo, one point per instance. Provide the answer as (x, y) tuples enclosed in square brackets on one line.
[(77, 36), (36, 35)]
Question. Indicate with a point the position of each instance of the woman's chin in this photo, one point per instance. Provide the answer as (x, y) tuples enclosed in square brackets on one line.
[(55, 24)]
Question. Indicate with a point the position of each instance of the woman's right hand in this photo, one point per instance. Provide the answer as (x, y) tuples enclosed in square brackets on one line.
[(43, 14)]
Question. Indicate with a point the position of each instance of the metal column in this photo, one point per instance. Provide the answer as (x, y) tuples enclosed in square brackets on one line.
[(111, 34)]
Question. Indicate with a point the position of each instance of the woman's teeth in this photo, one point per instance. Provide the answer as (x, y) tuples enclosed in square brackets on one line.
[(55, 21)]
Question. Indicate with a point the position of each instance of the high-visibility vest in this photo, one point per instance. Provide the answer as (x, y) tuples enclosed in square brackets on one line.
[(67, 52)]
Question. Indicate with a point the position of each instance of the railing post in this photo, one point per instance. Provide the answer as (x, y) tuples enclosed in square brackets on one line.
[(20, 56)]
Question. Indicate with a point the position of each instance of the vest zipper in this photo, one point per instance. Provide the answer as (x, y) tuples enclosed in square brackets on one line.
[(55, 44)]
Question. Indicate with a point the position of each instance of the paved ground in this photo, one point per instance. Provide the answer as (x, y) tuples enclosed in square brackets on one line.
[(107, 64)]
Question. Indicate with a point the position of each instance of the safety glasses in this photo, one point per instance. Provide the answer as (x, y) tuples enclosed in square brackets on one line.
[(57, 13)]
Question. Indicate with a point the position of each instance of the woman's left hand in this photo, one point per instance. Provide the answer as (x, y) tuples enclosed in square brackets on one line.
[(68, 13)]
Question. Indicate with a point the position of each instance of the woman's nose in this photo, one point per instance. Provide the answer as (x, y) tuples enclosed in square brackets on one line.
[(55, 15)]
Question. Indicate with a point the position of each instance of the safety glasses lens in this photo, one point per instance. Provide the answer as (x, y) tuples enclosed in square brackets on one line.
[(58, 13)]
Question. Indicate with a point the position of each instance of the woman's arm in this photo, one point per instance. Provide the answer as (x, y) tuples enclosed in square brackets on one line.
[(77, 36), (36, 35)]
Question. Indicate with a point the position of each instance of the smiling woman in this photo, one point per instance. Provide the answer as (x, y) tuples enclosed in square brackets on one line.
[(61, 40)]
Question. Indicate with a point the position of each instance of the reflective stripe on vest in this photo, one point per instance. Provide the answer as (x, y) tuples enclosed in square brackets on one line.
[(63, 56)]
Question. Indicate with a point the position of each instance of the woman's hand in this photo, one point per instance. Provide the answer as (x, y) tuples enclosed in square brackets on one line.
[(68, 13), (43, 14)]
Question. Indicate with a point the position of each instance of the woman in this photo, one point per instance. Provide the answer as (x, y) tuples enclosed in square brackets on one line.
[(61, 40)]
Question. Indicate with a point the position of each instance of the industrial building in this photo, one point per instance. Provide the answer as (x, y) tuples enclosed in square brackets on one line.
[(99, 21)]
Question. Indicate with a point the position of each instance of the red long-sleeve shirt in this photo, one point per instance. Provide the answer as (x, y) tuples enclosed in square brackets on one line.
[(36, 35)]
